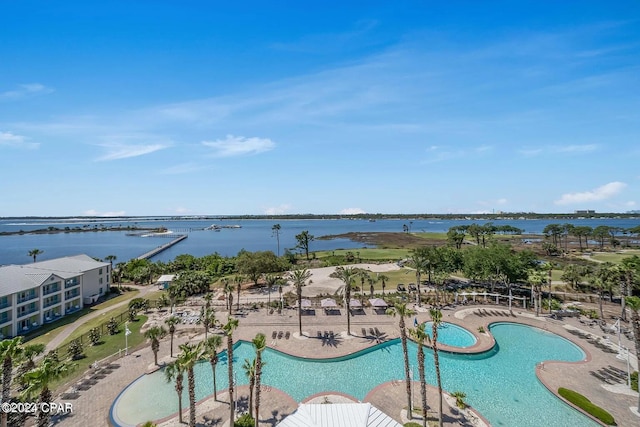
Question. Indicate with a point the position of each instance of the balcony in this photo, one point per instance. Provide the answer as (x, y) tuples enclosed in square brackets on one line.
[(71, 294), (30, 310), (27, 297), (52, 317), (71, 283), (5, 317), (51, 290), (51, 301), (4, 303)]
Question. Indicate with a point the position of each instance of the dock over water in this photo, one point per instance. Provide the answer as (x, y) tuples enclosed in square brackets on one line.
[(161, 248)]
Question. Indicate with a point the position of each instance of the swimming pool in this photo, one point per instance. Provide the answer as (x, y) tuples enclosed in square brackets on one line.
[(501, 383), (452, 335)]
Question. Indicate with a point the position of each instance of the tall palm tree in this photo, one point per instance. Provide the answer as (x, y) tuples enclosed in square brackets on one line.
[(299, 279), (383, 279), (34, 253), (227, 289), (110, 259), (250, 371), (30, 352), (259, 344), (155, 334), (175, 370), (190, 355), (228, 329), (436, 319), (402, 311), (39, 380), (347, 275), (172, 322), (11, 351), (208, 319), (271, 280), (276, 232), (633, 303), (420, 263), (211, 345), (238, 279), (420, 336)]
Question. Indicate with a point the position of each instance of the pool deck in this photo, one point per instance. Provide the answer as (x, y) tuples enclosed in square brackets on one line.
[(600, 377)]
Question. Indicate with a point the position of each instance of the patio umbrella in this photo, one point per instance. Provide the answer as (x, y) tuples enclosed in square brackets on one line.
[(378, 303), (328, 303)]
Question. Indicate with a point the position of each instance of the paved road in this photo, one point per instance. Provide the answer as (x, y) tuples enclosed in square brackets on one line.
[(59, 339)]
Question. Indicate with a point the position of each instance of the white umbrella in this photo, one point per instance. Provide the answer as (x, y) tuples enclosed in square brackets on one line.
[(328, 303)]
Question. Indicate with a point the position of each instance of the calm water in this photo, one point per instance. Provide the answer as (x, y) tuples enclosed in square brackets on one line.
[(255, 235), (501, 384)]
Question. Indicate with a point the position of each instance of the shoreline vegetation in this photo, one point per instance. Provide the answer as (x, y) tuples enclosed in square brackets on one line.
[(85, 229)]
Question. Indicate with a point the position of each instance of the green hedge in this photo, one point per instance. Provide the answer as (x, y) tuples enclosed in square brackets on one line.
[(634, 381), (412, 424), (585, 404)]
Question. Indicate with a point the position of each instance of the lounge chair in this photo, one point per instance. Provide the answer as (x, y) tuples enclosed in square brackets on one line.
[(319, 334), (287, 335), (274, 334), (280, 334), (364, 332), (372, 332)]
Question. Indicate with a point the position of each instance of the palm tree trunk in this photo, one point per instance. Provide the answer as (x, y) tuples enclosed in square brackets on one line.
[(179, 391), (215, 387), (7, 371), (192, 398), (300, 310), (347, 297), (405, 353), (252, 383), (258, 385), (438, 379), (43, 418), (230, 365), (423, 384)]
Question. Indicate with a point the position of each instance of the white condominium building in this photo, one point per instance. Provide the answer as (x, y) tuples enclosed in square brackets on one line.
[(42, 292)]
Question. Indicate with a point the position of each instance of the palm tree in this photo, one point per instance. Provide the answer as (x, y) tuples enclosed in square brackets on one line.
[(11, 351), (34, 253), (227, 289), (299, 279), (39, 380), (421, 337), (250, 371), (271, 280), (436, 319), (211, 345), (171, 323), (634, 305), (347, 275), (420, 263), (110, 259), (238, 279), (228, 329), (30, 352), (276, 232), (402, 311), (155, 334), (176, 370), (208, 319), (191, 354), (259, 344), (383, 279)]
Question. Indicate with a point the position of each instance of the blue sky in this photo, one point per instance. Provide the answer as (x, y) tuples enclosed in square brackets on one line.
[(199, 107)]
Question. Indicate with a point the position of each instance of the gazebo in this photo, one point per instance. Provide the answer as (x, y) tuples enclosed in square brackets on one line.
[(329, 304), (378, 304)]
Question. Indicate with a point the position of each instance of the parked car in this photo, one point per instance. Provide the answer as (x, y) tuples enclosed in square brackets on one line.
[(401, 287)]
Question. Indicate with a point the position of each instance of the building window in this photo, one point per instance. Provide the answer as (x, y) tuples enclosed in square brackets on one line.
[(100, 281), (100, 271)]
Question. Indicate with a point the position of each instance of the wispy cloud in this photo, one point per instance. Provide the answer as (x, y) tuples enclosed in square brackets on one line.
[(93, 212), (182, 168), (25, 90), (278, 210), (239, 145), (576, 148), (352, 211), (8, 139), (120, 151), (330, 42), (597, 194)]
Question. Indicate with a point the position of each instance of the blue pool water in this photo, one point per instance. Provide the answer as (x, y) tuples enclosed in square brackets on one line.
[(501, 384), (452, 335)]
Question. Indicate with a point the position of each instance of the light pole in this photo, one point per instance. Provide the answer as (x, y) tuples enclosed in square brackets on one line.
[(127, 332)]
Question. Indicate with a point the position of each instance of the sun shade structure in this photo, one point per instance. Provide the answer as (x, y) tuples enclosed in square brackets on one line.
[(378, 303), (328, 303), (338, 415), (305, 304), (353, 303)]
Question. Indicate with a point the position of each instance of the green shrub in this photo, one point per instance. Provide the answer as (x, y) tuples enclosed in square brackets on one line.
[(412, 424), (634, 381), (94, 336), (75, 350), (245, 420), (585, 404), (112, 326)]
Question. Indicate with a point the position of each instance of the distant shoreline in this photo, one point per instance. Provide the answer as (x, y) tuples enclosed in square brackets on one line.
[(55, 230)]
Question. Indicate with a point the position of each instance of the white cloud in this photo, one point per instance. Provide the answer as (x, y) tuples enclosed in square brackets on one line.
[(502, 201), (93, 212), (601, 193), (25, 90), (577, 148), (120, 151), (8, 139), (530, 152), (278, 210), (351, 211), (239, 145)]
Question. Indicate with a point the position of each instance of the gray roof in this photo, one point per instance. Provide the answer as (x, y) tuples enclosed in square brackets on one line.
[(338, 415), (16, 278)]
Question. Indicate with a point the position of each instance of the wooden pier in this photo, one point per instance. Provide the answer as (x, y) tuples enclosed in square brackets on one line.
[(161, 248)]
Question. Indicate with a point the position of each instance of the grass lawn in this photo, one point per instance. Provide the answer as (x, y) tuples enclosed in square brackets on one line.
[(368, 254), (96, 321), (49, 331), (614, 257), (110, 345)]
